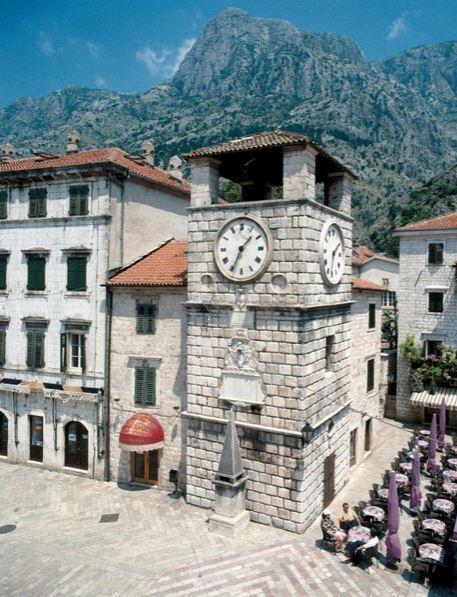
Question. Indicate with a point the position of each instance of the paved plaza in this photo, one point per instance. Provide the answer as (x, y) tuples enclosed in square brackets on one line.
[(159, 546)]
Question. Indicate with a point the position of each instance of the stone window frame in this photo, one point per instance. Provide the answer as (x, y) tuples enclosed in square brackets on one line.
[(435, 241), (435, 290), (330, 340)]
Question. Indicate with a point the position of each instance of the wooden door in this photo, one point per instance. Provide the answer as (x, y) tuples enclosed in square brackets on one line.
[(76, 446), (36, 438), (145, 467), (329, 479), (3, 435)]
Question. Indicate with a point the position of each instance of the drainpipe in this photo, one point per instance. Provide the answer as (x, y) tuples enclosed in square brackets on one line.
[(122, 231), (106, 395)]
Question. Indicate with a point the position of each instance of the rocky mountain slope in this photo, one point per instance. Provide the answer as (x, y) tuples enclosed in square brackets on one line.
[(393, 121)]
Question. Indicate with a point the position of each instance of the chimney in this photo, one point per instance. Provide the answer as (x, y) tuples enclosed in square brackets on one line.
[(147, 152), (175, 167), (73, 142), (7, 152)]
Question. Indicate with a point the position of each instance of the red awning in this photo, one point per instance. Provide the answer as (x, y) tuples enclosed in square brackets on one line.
[(141, 433)]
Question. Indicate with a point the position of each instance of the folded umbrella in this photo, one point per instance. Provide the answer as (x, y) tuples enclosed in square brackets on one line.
[(442, 434), (416, 494), (393, 546), (431, 465)]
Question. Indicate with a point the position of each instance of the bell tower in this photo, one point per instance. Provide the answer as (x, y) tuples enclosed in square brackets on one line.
[(269, 296)]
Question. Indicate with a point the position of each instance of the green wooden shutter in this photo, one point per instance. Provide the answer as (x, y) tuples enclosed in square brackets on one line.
[(370, 375), (30, 348), (79, 200), (146, 319), (151, 319), (36, 272), (83, 352), (2, 347), (63, 352), (39, 349), (3, 264), (150, 387), (76, 272), (371, 316), (3, 205), (139, 380), (37, 203)]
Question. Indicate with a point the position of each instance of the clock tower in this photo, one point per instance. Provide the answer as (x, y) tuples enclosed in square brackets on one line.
[(269, 298)]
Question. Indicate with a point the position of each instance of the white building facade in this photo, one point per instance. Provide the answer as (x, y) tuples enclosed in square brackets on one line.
[(65, 221)]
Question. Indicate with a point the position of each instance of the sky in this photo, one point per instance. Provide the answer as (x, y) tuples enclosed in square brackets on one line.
[(132, 45)]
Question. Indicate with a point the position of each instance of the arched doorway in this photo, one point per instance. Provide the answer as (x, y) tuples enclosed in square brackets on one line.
[(76, 445), (3, 435)]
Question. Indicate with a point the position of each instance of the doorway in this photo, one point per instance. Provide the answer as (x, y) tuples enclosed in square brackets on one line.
[(36, 438), (329, 479), (3, 435), (76, 446), (145, 467)]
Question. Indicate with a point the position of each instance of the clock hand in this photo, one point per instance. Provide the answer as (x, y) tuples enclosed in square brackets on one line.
[(240, 251)]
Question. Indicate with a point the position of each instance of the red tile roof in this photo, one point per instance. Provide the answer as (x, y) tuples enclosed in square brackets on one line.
[(446, 222), (163, 266), (105, 155), (361, 284), (363, 254)]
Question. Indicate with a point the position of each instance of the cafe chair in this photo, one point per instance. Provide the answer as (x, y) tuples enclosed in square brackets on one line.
[(329, 543)]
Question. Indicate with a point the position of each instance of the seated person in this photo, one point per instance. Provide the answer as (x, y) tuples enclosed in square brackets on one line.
[(348, 518), (356, 549), (331, 531)]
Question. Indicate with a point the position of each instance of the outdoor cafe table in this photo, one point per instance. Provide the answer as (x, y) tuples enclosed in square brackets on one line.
[(406, 466), (375, 512), (411, 454), (402, 480), (422, 443), (383, 493), (453, 449), (450, 488), (450, 474), (424, 432), (435, 525), (359, 533), (430, 551), (452, 462), (443, 505)]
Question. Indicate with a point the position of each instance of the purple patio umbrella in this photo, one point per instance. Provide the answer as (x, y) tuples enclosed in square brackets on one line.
[(453, 536), (431, 465), (442, 434), (393, 546), (416, 494)]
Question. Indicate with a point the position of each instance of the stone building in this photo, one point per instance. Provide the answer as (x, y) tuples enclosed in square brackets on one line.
[(65, 221), (148, 368), (367, 404), (427, 308), (269, 324), (379, 269)]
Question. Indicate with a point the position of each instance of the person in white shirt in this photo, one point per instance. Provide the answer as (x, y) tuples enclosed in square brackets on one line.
[(358, 548)]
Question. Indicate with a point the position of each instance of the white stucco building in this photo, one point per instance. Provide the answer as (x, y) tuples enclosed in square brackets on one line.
[(65, 222), (379, 269), (427, 308)]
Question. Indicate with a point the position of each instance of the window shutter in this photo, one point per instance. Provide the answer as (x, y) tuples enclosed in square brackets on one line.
[(30, 348), (139, 379), (140, 319), (76, 273), (36, 272), (3, 205), (2, 347), (83, 352), (370, 375), (150, 389), (32, 206), (63, 352), (3, 263), (371, 316), (39, 349), (151, 319), (146, 319), (79, 200), (37, 203)]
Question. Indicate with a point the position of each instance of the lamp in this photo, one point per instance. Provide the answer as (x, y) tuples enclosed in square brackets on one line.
[(307, 432)]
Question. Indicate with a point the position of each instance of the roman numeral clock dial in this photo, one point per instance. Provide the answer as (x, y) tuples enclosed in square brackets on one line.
[(331, 253), (243, 249)]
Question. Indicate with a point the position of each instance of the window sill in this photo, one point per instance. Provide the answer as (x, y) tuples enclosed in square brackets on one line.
[(371, 329), (4, 292), (76, 293), (72, 469), (36, 293)]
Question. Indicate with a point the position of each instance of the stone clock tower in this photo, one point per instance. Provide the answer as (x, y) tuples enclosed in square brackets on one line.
[(269, 297)]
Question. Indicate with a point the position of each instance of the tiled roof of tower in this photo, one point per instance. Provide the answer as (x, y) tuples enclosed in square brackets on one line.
[(361, 284), (164, 266), (264, 140), (446, 222), (101, 156)]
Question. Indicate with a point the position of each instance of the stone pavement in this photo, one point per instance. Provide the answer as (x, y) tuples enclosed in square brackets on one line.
[(159, 546)]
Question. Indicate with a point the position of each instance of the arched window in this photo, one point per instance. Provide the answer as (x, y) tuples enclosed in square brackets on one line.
[(3, 435), (76, 445)]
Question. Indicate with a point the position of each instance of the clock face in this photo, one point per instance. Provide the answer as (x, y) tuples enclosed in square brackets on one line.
[(243, 249), (332, 256)]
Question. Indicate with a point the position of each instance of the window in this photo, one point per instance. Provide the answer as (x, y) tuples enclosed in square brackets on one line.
[(370, 375), (367, 446), (145, 386), (35, 349), (3, 264), (2, 347), (3, 205), (79, 200), (76, 272), (435, 302), (329, 344), (146, 319), (432, 347), (37, 203), (36, 438), (371, 316), (76, 445), (353, 447), (36, 279), (73, 352), (435, 253), (389, 298)]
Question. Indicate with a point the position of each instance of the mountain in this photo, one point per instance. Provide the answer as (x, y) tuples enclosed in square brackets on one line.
[(393, 121)]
